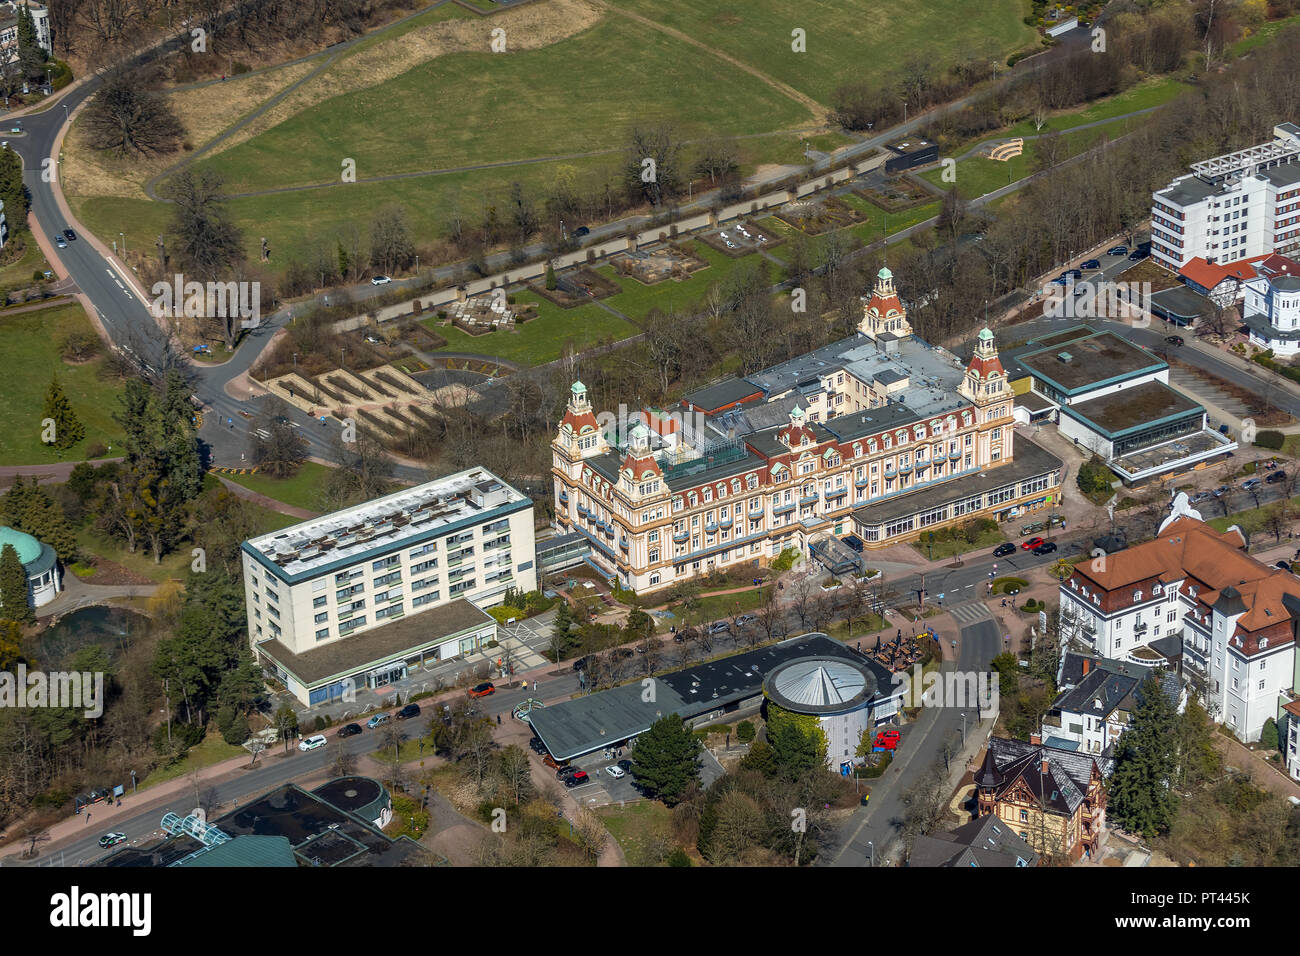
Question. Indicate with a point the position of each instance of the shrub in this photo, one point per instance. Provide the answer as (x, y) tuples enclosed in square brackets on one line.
[(1094, 477), (785, 560), (505, 612), (1270, 439), (745, 731), (678, 858)]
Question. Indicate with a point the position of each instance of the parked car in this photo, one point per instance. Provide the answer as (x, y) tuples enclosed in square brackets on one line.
[(407, 712), (376, 720), (550, 761), (580, 664), (111, 839), (537, 746), (485, 689), (1031, 544), (1175, 340), (1251, 484), (1034, 528), (745, 619), (625, 766), (380, 280), (1275, 476), (563, 771), (1200, 496), (1283, 565), (1137, 255), (1047, 547), (886, 740), (69, 235), (1222, 490), (1073, 273), (1002, 550), (615, 771), (1091, 264), (581, 231), (717, 627), (1117, 251), (577, 779), (349, 730), (312, 742)]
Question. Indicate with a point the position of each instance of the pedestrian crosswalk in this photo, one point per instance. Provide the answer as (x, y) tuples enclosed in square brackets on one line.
[(972, 612)]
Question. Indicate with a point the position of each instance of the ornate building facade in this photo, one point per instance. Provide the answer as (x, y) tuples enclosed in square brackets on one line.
[(881, 436)]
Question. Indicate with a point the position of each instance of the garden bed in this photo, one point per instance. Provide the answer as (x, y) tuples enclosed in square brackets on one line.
[(576, 289), (814, 217), (898, 193)]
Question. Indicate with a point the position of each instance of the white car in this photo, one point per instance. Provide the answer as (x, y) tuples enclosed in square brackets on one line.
[(380, 280), (614, 771), (311, 743), (761, 238), (724, 235)]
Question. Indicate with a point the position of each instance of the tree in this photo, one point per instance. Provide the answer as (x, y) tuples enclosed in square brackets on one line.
[(129, 120), (204, 239), (281, 453), (653, 172), (798, 742), (666, 760), (391, 248), (68, 429), (1141, 797), (13, 587), (31, 55), (551, 282), (365, 471), (12, 191)]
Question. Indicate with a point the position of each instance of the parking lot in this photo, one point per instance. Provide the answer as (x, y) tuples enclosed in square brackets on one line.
[(740, 235), (603, 788)]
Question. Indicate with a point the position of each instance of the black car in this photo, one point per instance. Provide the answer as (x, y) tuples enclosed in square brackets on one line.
[(679, 637), (407, 712), (580, 664), (625, 766), (1136, 255), (1002, 550), (565, 771), (1092, 264), (1174, 339), (536, 745), (582, 231), (349, 730), (1047, 547), (1275, 476), (1284, 565), (69, 234)]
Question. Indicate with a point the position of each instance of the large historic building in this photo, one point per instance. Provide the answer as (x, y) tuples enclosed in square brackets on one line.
[(880, 435)]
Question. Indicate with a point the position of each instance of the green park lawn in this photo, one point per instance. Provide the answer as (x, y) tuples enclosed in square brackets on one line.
[(303, 490), (542, 339), (30, 354), (637, 300), (846, 40), (478, 107)]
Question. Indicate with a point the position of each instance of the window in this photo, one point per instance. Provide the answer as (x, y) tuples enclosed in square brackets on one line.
[(323, 633), (318, 602), (322, 617)]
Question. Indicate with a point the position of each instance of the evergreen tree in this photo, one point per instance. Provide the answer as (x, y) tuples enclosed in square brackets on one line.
[(13, 505), (666, 760), (798, 743), (1141, 796), (13, 587), (12, 191), (44, 520), (31, 55), (551, 282)]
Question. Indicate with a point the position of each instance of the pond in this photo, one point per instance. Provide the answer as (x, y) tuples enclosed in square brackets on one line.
[(111, 628)]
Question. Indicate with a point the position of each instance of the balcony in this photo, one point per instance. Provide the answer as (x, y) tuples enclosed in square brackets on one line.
[(583, 510), (756, 511), (891, 472), (783, 509), (726, 523), (861, 482), (811, 499), (623, 543), (710, 526), (681, 537), (564, 496)]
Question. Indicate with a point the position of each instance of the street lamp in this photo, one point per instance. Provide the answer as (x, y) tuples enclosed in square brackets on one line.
[(872, 848), (295, 359), (123, 237)]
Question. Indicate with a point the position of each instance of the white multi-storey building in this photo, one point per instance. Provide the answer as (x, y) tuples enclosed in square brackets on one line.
[(1194, 593), (1271, 305), (327, 598), (1232, 207)]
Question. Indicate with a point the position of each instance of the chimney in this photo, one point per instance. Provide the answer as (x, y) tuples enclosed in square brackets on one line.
[(1046, 768), (1036, 740), (1087, 665)]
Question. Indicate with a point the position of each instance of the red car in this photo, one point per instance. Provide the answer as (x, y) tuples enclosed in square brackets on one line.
[(888, 739), (1031, 544), (483, 689)]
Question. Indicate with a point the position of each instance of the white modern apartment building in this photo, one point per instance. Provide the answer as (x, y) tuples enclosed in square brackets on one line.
[(9, 27), (1232, 207), (363, 594), (1193, 594)]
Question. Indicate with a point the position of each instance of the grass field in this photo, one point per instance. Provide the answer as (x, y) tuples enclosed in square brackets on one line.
[(30, 346), (845, 40), (510, 107), (636, 827), (542, 339), (303, 490), (636, 301)]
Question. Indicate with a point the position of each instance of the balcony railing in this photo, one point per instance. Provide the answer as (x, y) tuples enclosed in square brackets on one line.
[(681, 537)]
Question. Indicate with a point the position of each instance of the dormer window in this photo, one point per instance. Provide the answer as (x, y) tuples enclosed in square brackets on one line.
[(1137, 596)]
